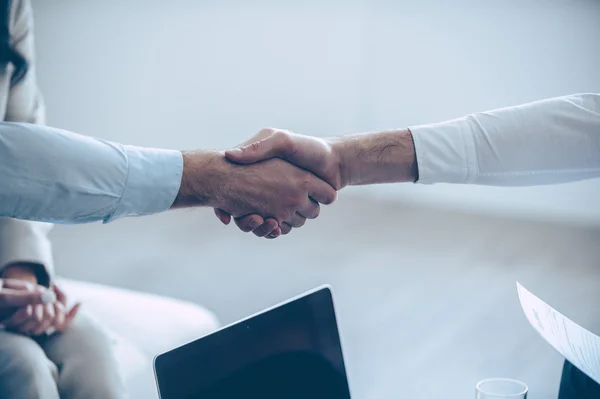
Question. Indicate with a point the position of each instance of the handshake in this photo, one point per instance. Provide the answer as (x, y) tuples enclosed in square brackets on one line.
[(276, 180)]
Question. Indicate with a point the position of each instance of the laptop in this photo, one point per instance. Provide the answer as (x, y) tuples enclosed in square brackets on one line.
[(291, 350)]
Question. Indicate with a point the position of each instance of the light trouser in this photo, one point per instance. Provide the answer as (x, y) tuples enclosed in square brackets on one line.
[(77, 364)]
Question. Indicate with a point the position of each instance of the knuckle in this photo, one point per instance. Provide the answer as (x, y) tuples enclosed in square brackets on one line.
[(264, 133), (292, 203), (281, 217), (284, 142), (307, 181), (281, 136), (286, 216), (255, 146)]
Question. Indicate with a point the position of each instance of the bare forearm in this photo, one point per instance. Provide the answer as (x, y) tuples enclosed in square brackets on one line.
[(377, 157), (200, 179)]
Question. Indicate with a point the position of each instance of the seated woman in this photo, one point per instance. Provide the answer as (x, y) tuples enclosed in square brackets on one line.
[(46, 351)]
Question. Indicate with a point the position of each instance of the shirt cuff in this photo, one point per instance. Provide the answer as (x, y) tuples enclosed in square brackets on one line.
[(445, 152), (26, 242), (153, 180)]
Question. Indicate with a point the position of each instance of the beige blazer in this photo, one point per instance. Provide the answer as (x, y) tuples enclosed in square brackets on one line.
[(23, 241)]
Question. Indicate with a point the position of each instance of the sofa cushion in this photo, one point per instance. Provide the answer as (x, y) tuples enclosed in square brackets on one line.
[(142, 326)]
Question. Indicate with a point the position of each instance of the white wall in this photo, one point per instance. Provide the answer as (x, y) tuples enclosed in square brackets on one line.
[(185, 74)]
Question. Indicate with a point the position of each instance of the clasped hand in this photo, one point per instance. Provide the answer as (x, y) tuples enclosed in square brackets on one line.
[(303, 160), (33, 310)]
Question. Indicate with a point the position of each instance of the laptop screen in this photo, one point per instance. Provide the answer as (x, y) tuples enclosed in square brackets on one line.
[(290, 351)]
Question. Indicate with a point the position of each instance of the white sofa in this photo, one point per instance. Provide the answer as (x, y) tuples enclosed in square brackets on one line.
[(143, 325)]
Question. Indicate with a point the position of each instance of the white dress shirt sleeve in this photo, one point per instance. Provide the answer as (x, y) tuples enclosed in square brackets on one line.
[(544, 142), (52, 175)]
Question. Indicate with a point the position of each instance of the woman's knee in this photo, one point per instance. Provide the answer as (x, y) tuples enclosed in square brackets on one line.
[(86, 355), (25, 371)]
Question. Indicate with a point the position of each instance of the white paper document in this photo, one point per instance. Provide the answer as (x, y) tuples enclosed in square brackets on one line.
[(575, 343)]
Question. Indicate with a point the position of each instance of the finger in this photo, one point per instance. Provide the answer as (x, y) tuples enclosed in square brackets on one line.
[(59, 320), (17, 284), (61, 297), (268, 226), (297, 220), (310, 210), (262, 134), (48, 321), (28, 323), (16, 298), (277, 144), (320, 191), (70, 317), (274, 234), (18, 318), (223, 216), (249, 222), (285, 228), (38, 313)]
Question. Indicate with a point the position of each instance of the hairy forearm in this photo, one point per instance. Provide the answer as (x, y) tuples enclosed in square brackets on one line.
[(377, 157), (200, 178)]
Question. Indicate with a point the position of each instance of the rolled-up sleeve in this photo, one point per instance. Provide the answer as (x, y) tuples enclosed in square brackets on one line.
[(544, 142), (53, 175)]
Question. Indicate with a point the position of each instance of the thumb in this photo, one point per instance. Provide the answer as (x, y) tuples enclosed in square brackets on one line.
[(17, 298), (267, 148), (60, 294)]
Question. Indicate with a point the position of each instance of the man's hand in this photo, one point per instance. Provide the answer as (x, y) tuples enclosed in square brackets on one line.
[(369, 158), (273, 188), (273, 143), (320, 156), (366, 158)]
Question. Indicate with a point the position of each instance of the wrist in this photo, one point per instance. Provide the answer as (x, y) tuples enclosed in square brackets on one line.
[(379, 157), (201, 180), (343, 156)]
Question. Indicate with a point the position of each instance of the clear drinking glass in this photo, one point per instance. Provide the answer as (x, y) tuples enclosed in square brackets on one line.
[(501, 388)]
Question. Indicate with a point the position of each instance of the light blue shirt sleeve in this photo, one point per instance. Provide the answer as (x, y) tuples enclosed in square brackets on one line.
[(52, 175)]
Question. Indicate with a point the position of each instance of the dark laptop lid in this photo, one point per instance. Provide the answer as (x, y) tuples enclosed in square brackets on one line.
[(290, 351)]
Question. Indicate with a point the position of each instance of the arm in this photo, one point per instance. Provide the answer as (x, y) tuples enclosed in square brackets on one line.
[(53, 175), (544, 142)]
